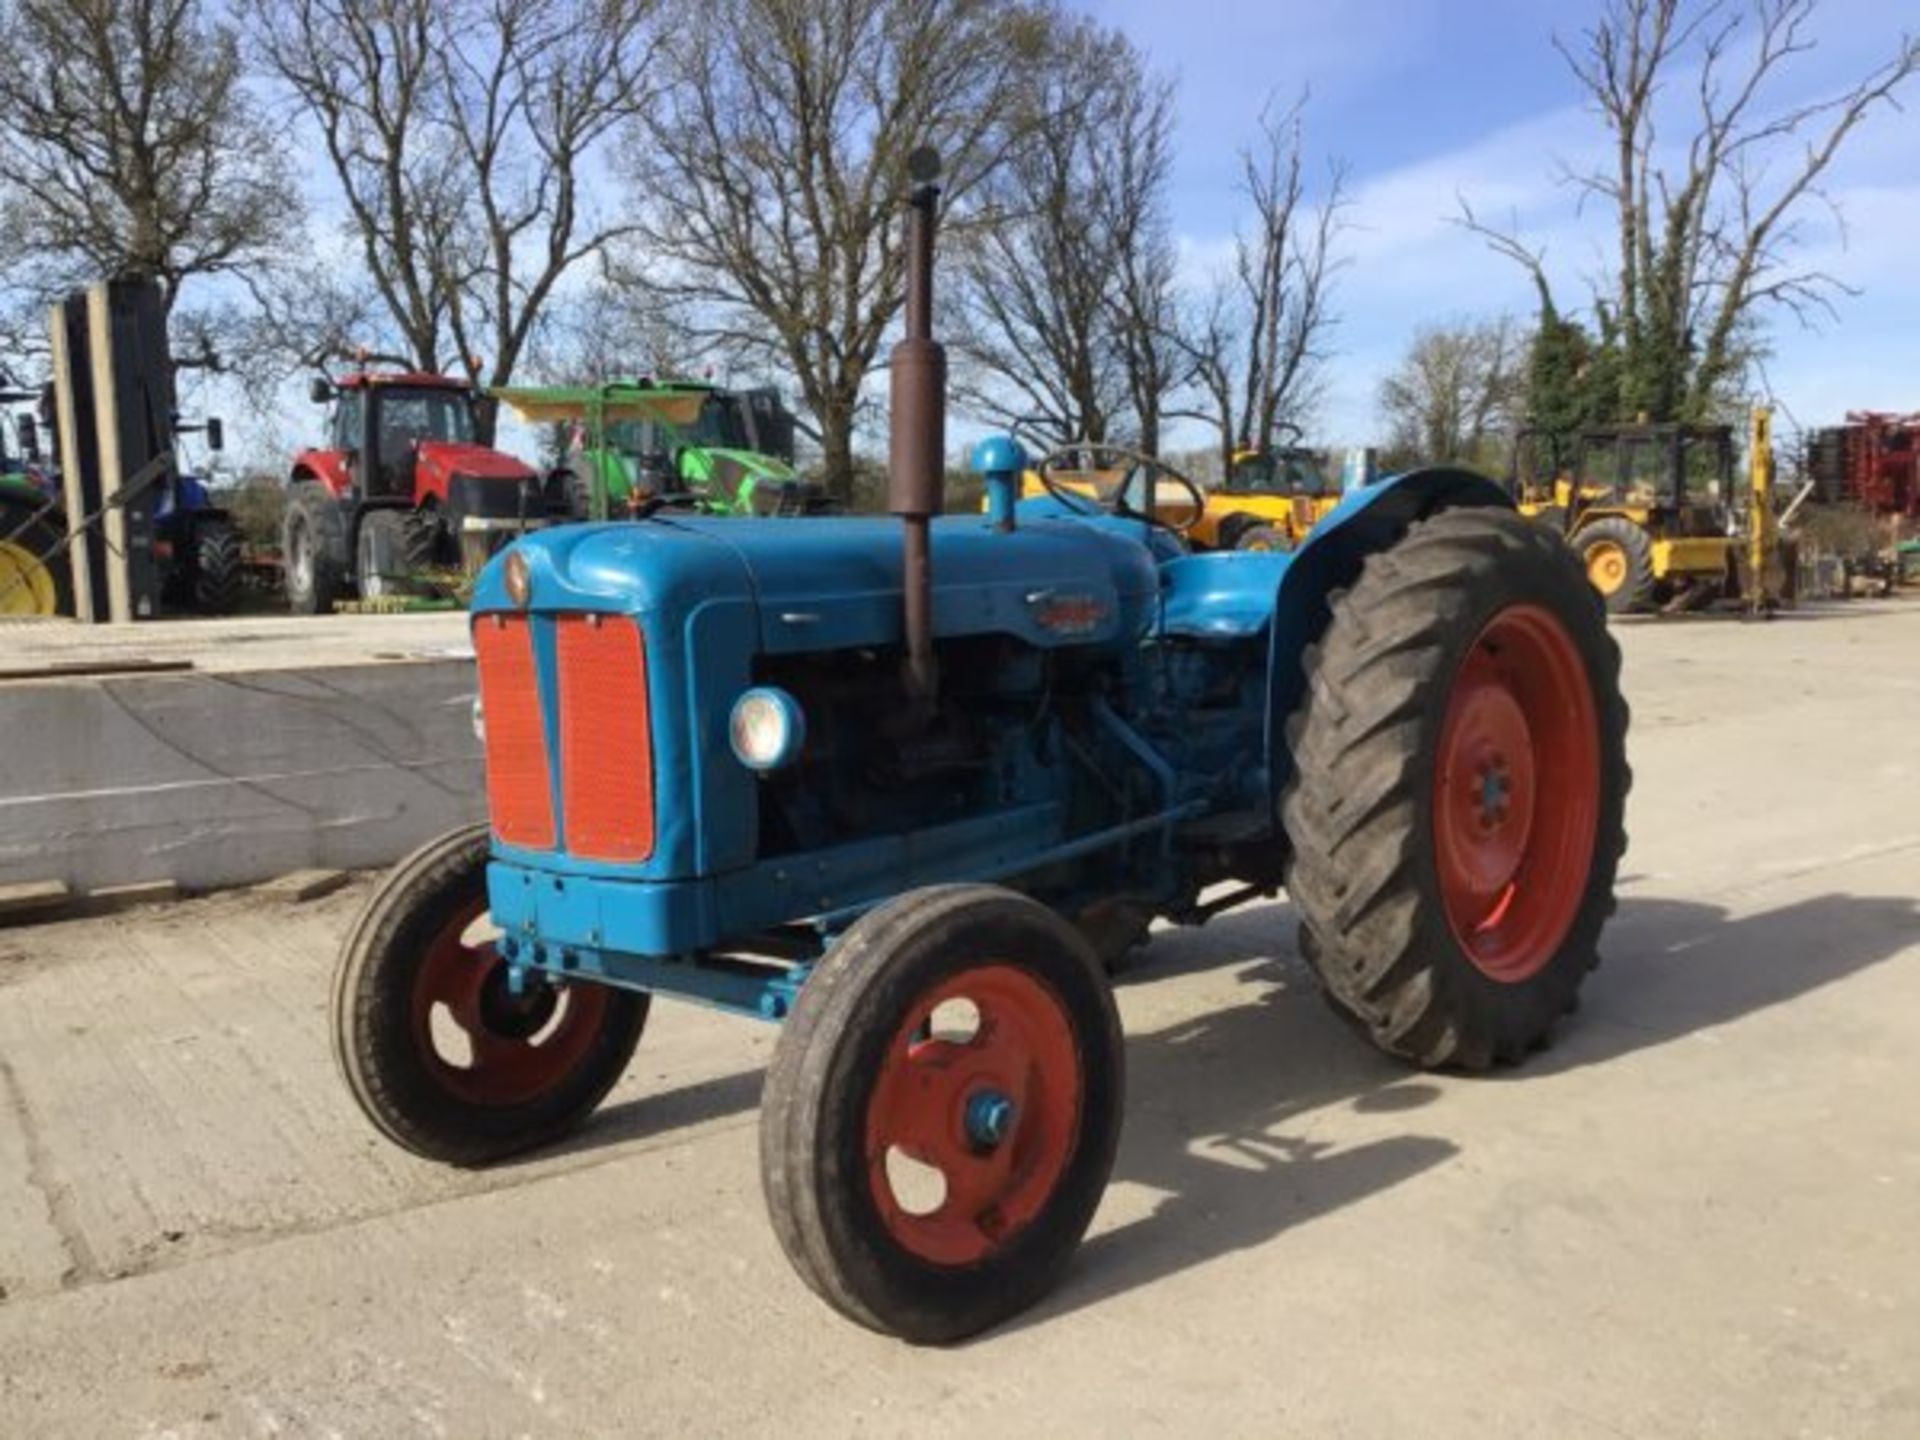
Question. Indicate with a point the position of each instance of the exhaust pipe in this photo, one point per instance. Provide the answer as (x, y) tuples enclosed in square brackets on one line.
[(916, 461)]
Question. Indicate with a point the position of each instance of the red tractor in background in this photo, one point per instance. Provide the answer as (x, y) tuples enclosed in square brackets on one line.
[(402, 487)]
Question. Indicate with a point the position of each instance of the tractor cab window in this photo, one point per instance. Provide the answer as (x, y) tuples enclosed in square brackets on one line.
[(346, 419), (771, 425), (426, 415), (1285, 472), (1706, 466), (643, 442), (1251, 474), (722, 425), (1644, 470), (1597, 466)]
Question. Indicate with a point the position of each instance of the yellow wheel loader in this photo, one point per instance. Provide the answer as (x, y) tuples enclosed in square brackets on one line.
[(1269, 501), (1646, 508)]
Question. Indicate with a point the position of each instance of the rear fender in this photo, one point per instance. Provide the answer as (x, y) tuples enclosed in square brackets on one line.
[(1369, 519)]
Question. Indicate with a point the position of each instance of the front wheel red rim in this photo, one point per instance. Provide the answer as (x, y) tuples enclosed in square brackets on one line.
[(994, 1110), (1517, 793), (482, 1042)]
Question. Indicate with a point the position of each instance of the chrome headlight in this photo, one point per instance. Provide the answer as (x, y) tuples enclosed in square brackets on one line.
[(766, 728)]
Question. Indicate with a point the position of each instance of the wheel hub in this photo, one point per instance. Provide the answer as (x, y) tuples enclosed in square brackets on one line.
[(990, 1117), (995, 1113), (1606, 567), (516, 1016), (1516, 794), (1489, 772), (514, 1048)]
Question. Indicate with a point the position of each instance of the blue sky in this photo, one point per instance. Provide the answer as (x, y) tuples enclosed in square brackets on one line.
[(1424, 99)]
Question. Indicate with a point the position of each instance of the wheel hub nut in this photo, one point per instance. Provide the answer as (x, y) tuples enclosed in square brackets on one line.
[(989, 1118), (1495, 788)]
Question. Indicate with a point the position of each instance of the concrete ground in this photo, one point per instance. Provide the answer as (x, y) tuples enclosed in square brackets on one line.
[(1697, 1214), (49, 648)]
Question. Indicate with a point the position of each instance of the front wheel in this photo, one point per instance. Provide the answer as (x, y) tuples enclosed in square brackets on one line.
[(1618, 556), (1459, 783), (313, 549), (941, 1113), (443, 1055)]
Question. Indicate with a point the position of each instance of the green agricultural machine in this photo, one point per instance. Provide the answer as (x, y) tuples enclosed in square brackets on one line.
[(33, 576), (638, 444)]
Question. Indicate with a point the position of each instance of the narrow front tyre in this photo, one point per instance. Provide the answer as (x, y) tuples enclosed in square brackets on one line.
[(941, 1113), (441, 1051)]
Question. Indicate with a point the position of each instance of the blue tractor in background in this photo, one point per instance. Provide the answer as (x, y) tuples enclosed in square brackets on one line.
[(903, 784)]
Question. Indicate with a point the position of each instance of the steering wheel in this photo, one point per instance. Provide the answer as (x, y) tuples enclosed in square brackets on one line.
[(1106, 457)]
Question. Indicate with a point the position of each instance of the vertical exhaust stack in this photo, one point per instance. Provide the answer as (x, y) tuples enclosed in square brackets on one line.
[(917, 454)]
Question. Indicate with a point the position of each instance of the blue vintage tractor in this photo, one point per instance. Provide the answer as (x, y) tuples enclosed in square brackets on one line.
[(901, 784)]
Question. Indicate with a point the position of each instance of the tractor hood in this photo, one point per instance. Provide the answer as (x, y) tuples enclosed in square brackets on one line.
[(459, 457), (835, 583)]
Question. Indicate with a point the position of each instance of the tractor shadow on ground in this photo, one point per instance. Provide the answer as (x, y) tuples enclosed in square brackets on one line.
[(657, 1114), (1219, 1106)]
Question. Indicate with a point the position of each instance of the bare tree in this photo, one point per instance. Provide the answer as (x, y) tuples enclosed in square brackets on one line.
[(129, 145), (1067, 278), (1459, 394), (768, 185), (464, 135), (1258, 340), (1706, 221), (1145, 297)]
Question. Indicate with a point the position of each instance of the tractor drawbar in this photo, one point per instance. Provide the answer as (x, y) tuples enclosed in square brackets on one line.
[(915, 464)]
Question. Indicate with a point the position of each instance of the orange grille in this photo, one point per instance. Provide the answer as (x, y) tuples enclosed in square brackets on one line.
[(519, 789), (606, 746)]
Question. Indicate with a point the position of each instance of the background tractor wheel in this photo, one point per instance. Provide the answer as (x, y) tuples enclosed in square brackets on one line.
[(381, 568), (1460, 779), (1232, 527), (1263, 537), (30, 585), (941, 1114), (1618, 558), (217, 571), (441, 1054), (422, 536), (313, 548)]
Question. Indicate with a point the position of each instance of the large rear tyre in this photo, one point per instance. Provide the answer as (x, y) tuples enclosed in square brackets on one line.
[(1618, 557), (941, 1113), (1459, 783), (313, 549), (442, 1056)]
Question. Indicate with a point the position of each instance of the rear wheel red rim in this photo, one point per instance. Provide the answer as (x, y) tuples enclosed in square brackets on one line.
[(1517, 793), (484, 1044), (995, 1112)]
